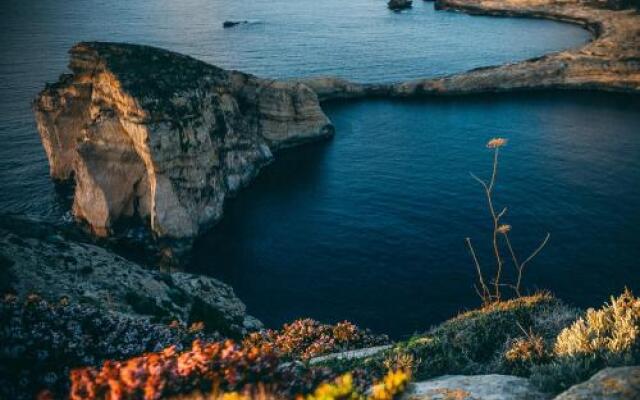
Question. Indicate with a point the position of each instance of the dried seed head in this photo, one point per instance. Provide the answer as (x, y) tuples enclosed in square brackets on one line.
[(496, 142)]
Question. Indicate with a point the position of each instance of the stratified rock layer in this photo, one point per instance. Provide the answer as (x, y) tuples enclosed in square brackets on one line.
[(164, 137), (610, 62)]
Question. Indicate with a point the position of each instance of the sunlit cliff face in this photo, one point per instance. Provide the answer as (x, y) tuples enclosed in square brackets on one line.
[(163, 137)]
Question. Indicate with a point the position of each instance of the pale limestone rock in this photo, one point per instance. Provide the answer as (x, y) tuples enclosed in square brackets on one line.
[(474, 387), (163, 137), (622, 383), (351, 354)]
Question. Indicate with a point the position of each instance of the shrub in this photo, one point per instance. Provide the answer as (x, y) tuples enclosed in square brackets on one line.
[(393, 383), (564, 372), (306, 338), (155, 375), (523, 353), (401, 361), (42, 341), (475, 342), (614, 328), (607, 337), (220, 370)]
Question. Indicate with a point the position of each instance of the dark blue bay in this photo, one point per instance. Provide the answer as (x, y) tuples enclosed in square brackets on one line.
[(370, 225)]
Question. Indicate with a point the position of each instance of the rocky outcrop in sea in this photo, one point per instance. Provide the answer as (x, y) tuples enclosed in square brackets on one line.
[(164, 138), (397, 5)]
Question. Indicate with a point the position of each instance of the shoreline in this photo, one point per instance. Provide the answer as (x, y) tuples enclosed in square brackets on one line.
[(608, 62)]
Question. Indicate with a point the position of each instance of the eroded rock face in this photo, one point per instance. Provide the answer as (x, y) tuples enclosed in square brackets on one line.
[(474, 387), (156, 135), (621, 383), (39, 259)]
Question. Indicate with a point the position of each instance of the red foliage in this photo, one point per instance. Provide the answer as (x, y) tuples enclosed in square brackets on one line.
[(307, 338), (154, 375)]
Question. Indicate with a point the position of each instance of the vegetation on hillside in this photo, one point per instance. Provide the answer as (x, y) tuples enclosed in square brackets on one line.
[(534, 336)]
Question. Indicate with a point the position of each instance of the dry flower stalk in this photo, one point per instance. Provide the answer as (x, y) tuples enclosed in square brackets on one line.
[(490, 293)]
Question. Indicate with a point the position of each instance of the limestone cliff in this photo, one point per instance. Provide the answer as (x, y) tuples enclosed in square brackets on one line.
[(153, 134)]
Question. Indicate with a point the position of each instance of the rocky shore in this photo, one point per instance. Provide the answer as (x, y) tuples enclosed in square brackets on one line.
[(156, 136), (611, 62)]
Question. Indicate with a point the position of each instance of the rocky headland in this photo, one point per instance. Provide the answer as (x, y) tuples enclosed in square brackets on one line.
[(164, 138), (610, 62)]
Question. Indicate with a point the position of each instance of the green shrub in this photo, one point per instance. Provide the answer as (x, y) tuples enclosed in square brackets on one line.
[(564, 372), (476, 342)]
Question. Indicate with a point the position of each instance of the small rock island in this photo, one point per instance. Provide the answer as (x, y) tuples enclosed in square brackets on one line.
[(397, 5), (151, 134)]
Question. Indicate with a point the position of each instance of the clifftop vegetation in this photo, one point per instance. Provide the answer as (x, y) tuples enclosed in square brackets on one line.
[(536, 336)]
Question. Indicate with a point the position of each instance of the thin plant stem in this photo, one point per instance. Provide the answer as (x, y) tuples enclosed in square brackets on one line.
[(515, 263), (488, 189), (535, 253), (486, 295)]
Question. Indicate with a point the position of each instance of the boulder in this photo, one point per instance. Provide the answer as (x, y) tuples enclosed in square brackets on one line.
[(474, 387), (231, 24), (398, 5), (154, 136), (622, 383), (351, 354)]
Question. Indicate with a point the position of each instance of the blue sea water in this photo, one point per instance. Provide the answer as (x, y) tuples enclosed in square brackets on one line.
[(369, 226)]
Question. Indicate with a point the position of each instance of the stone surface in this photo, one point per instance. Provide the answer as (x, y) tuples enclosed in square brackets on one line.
[(610, 62), (475, 387), (165, 138), (39, 259), (351, 354), (621, 383)]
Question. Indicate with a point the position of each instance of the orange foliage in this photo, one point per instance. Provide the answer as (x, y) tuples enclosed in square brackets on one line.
[(154, 375)]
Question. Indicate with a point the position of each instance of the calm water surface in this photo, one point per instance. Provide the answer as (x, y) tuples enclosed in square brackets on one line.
[(368, 226), (371, 225)]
